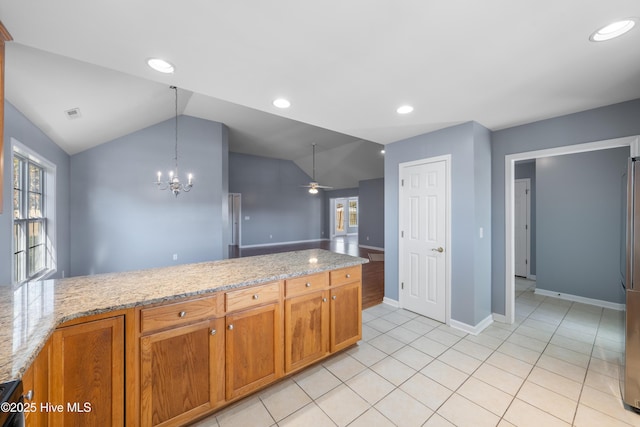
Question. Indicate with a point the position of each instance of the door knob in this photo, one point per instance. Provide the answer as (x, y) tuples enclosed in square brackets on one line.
[(439, 249)]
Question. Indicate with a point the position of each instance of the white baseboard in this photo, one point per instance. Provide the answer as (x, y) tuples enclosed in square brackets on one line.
[(583, 300), (391, 302), (260, 245), (375, 248), (499, 318), (473, 330)]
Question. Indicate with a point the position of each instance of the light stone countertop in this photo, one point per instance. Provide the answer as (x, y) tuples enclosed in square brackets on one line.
[(30, 313)]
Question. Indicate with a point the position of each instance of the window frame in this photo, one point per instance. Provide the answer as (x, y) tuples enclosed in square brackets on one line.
[(22, 270)]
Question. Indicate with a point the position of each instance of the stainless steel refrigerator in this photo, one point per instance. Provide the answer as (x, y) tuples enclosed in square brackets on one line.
[(632, 287)]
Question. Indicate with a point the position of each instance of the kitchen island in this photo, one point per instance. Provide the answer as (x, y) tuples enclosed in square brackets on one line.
[(157, 309)]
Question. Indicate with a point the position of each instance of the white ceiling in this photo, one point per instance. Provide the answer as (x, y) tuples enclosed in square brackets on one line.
[(344, 65)]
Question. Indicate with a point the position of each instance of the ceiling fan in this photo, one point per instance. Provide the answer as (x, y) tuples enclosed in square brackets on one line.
[(313, 186)]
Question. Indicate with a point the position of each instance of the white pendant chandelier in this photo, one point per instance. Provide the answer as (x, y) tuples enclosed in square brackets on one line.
[(173, 183)]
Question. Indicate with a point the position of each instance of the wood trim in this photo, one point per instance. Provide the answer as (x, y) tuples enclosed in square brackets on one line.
[(4, 37)]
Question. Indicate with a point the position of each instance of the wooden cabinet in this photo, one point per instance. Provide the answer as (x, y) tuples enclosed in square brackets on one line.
[(306, 320), (346, 308), (254, 344), (87, 373), (181, 372), (4, 37), (35, 383)]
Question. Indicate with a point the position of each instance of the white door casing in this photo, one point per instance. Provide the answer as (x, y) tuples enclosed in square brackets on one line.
[(424, 247), (522, 228)]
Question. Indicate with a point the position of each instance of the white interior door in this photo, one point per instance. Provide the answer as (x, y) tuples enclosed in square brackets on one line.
[(424, 194), (522, 215)]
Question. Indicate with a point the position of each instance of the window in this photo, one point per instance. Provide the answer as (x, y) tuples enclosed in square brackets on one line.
[(353, 213), (32, 245)]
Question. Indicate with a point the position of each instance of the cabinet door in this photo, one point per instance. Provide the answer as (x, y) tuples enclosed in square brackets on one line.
[(181, 373), (306, 322), (346, 315), (254, 349), (87, 374), (35, 384)]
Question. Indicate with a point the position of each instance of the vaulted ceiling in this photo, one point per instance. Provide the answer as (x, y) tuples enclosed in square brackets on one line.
[(345, 67)]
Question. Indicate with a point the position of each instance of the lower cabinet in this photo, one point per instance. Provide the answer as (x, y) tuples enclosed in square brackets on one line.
[(253, 349), (181, 373), (35, 383), (346, 315), (87, 374)]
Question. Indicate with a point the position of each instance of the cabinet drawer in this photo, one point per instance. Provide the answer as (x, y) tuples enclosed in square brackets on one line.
[(304, 284), (176, 314), (346, 275), (251, 297)]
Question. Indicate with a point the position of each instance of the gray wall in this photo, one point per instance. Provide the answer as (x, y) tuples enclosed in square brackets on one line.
[(19, 127), (122, 222), (274, 201), (580, 200), (527, 169), (371, 220), (609, 122), (469, 147)]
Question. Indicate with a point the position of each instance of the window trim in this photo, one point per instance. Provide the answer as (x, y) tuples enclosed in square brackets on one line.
[(49, 208)]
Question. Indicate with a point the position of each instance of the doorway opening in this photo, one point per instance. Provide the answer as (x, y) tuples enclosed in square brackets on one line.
[(510, 160)]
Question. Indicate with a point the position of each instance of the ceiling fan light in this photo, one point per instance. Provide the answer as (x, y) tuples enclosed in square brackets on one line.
[(613, 30), (161, 65), (313, 190)]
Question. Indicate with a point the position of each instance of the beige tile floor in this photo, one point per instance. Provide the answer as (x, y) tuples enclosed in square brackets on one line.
[(558, 365)]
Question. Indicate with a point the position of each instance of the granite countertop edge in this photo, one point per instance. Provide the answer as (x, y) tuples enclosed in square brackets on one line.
[(14, 368)]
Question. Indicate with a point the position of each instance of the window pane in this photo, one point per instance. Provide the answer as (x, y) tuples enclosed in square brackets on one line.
[(36, 233), (17, 204), (36, 259), (19, 237), (17, 188), (35, 178), (353, 213), (19, 267), (35, 205)]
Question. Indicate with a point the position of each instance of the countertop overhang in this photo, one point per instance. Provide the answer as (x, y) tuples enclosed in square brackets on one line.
[(30, 313)]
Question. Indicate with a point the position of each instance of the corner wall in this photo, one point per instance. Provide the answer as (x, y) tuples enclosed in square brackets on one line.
[(17, 126), (468, 145), (122, 222)]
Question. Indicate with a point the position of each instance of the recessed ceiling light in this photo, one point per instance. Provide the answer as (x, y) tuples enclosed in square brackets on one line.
[(161, 65), (282, 103), (381, 151), (613, 30), (405, 109)]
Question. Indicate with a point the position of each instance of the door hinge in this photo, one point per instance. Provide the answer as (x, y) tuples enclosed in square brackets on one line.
[(402, 285), (402, 183), (526, 191), (526, 226), (402, 234), (526, 261)]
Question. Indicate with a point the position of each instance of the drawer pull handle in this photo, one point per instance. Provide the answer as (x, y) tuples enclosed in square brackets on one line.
[(213, 332), (230, 327), (182, 313), (308, 285), (256, 296), (348, 276), (333, 297)]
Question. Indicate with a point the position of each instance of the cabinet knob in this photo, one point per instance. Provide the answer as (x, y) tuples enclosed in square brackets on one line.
[(213, 332), (29, 395), (230, 327), (348, 276), (333, 297), (324, 300), (182, 313), (256, 296), (308, 285)]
